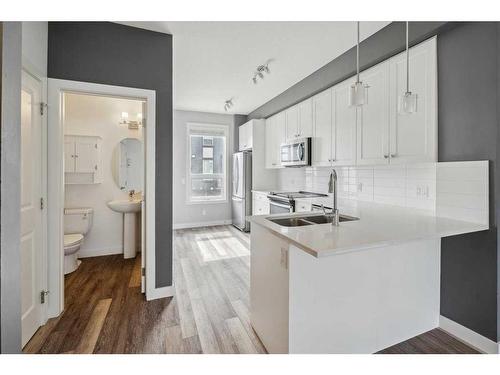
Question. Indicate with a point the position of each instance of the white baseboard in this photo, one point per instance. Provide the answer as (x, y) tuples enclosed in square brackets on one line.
[(87, 253), (468, 336), (156, 293), (201, 224)]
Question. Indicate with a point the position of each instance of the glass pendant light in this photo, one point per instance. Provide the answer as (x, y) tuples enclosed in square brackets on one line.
[(408, 100), (357, 91)]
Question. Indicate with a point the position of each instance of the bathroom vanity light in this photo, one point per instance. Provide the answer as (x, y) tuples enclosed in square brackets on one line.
[(408, 100), (357, 92), (131, 123)]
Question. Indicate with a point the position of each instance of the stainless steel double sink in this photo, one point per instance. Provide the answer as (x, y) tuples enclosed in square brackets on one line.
[(300, 221)]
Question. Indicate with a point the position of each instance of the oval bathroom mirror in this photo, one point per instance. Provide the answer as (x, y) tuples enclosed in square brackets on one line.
[(129, 164)]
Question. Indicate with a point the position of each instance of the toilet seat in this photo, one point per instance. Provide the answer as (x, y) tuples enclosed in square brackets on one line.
[(72, 239)]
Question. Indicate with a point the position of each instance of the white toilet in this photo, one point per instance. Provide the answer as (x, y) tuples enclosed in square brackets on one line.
[(77, 223)]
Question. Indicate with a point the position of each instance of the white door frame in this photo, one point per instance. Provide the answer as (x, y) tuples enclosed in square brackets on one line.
[(56, 89), (31, 70)]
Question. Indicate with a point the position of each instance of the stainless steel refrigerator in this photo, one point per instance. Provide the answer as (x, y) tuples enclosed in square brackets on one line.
[(241, 201)]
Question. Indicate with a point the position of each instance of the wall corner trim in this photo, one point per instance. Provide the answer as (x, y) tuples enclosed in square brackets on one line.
[(468, 336)]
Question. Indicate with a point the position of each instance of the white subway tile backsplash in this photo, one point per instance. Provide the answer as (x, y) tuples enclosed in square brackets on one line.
[(456, 189)]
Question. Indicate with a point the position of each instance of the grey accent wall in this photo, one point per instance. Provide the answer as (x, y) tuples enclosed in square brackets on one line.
[(108, 53), (10, 262), (468, 130), (469, 114)]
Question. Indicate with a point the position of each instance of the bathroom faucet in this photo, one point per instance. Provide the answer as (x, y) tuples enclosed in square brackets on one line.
[(332, 188)]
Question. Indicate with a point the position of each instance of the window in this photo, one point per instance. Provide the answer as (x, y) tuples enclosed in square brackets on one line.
[(207, 163)]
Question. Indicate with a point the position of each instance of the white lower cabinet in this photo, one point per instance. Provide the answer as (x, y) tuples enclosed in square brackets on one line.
[(260, 203), (303, 205), (269, 289)]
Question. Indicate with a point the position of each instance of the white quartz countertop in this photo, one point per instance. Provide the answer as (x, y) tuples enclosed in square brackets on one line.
[(378, 225)]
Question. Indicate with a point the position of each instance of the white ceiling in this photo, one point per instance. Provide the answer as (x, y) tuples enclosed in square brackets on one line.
[(215, 61)]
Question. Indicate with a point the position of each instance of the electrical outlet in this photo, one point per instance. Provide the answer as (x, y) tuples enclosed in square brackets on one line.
[(360, 187)]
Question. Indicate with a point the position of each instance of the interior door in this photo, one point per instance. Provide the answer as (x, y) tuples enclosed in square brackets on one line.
[(143, 204), (31, 209)]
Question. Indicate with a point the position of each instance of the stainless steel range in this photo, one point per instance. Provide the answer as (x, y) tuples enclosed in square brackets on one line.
[(284, 202)]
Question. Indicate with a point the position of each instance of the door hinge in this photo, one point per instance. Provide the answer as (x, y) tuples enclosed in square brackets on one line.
[(42, 203), (42, 107), (143, 272), (43, 295)]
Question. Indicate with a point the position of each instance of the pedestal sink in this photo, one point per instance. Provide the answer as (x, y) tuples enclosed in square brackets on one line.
[(129, 209)]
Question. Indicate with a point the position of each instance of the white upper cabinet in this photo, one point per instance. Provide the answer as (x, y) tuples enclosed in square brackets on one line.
[(322, 147), (413, 137), (343, 126), (299, 120), (292, 122), (305, 128), (82, 159), (375, 133), (245, 136), (373, 118), (275, 136)]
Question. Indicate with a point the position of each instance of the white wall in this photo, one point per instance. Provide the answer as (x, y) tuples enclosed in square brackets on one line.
[(195, 214), (100, 116), (34, 46)]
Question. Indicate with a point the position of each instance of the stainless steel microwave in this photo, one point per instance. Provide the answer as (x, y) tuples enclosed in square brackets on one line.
[(296, 153)]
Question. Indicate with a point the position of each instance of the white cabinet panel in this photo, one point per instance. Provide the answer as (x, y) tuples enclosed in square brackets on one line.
[(269, 289), (373, 118), (245, 136), (275, 136), (69, 156), (344, 126), (322, 131), (82, 159), (86, 156), (413, 137), (260, 204), (292, 122), (305, 118)]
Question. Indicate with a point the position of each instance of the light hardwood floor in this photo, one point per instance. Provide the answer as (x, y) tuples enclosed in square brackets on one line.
[(106, 313)]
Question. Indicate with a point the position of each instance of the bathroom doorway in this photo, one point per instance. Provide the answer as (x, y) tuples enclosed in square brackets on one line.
[(101, 178)]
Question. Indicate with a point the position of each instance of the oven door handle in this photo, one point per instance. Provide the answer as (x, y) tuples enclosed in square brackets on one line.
[(282, 205)]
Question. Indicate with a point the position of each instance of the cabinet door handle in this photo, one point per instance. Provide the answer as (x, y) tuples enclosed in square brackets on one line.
[(386, 156), (394, 155)]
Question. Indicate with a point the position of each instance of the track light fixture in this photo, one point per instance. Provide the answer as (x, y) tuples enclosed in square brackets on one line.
[(228, 104), (259, 72)]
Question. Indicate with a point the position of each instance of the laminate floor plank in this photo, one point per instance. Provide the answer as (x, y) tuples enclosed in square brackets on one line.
[(105, 311)]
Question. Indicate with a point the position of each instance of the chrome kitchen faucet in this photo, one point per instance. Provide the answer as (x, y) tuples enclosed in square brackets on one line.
[(332, 188)]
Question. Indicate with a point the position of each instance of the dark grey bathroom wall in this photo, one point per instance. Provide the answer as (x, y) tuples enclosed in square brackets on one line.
[(468, 82), (468, 130), (109, 53)]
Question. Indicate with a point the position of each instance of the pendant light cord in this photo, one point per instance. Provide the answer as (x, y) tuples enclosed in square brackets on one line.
[(407, 61), (357, 54)]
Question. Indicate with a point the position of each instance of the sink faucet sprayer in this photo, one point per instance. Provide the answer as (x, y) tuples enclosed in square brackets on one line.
[(332, 188)]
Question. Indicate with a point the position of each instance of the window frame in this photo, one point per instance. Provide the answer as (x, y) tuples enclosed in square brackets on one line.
[(191, 129)]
